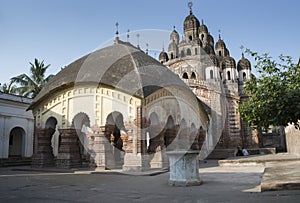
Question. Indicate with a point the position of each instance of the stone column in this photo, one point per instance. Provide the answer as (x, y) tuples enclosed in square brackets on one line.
[(157, 149), (43, 156), (101, 151), (68, 151), (184, 168), (135, 158)]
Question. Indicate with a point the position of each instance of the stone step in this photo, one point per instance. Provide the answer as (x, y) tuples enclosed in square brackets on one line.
[(15, 162)]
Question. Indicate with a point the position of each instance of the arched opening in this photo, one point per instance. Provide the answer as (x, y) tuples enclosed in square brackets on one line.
[(196, 51), (228, 75), (114, 128), (202, 37), (194, 136), (182, 53), (81, 122), (244, 76), (183, 124), (51, 131), (193, 76), (220, 53), (51, 123), (185, 76), (183, 136), (169, 131), (188, 52), (16, 142), (155, 135), (172, 56), (211, 72), (190, 38)]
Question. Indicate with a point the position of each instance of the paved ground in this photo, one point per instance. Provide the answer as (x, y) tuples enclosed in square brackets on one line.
[(220, 184)]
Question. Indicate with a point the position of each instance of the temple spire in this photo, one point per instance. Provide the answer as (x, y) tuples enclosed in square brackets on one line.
[(147, 48), (242, 50), (117, 33), (128, 35), (138, 40), (190, 5), (117, 29)]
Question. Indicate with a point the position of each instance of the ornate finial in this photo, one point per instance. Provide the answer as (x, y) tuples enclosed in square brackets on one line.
[(190, 5), (219, 33), (128, 35), (117, 26), (174, 27), (147, 45), (163, 46), (242, 50), (138, 40), (202, 21)]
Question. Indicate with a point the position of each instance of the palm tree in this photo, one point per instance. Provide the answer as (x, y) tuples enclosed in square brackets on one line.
[(30, 86), (8, 88)]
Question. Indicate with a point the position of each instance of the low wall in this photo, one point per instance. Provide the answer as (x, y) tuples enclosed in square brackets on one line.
[(226, 153), (292, 139)]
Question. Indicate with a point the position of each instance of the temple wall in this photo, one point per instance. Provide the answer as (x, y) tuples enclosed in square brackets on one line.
[(97, 103), (13, 115)]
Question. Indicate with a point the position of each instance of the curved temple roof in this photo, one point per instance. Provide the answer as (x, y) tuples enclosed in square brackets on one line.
[(121, 66)]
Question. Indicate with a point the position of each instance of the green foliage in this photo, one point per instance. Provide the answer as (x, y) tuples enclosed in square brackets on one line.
[(30, 86), (275, 95), (8, 88)]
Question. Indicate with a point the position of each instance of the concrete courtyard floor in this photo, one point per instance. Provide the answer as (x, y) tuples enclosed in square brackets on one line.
[(220, 184)]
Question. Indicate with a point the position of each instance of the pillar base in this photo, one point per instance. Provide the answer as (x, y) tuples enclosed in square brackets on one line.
[(184, 168), (135, 163), (69, 152)]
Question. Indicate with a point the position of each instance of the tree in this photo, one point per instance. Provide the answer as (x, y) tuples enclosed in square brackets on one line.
[(8, 88), (275, 94), (30, 86)]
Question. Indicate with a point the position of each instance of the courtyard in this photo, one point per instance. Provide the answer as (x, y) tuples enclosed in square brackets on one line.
[(220, 184)]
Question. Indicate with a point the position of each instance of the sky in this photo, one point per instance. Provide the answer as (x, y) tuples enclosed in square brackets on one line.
[(61, 31)]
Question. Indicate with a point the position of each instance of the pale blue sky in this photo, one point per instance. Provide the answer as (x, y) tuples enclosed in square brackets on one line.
[(60, 31)]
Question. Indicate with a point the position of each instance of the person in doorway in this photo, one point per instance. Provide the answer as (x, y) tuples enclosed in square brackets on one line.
[(245, 152), (239, 152)]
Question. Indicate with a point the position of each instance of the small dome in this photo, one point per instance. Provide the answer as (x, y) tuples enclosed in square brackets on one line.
[(220, 44), (191, 22), (243, 64), (163, 57), (210, 40), (174, 36), (228, 62), (209, 49), (203, 29)]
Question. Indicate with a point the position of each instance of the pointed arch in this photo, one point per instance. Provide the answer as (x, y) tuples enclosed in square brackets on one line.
[(185, 75), (182, 53), (51, 122), (169, 131), (81, 119), (114, 127), (153, 119), (172, 55), (81, 122), (188, 52), (193, 75)]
